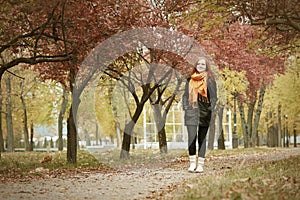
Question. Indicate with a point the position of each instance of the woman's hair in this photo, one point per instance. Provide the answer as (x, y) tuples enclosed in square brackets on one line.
[(208, 69)]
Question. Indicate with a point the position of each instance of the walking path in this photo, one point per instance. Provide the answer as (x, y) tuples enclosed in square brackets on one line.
[(143, 183)]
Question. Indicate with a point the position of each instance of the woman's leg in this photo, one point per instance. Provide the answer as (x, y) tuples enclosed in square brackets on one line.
[(192, 133), (202, 132)]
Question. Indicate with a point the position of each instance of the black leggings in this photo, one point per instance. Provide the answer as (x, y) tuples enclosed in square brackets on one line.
[(192, 134)]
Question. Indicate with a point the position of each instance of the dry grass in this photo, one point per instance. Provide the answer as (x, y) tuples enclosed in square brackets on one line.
[(267, 179)]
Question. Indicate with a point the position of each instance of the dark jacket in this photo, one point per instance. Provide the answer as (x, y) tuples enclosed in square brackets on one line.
[(202, 114)]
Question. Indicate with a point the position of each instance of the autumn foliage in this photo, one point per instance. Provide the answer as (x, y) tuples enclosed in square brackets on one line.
[(54, 37)]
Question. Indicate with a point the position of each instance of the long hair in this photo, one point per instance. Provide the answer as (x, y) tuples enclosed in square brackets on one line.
[(210, 80), (208, 68)]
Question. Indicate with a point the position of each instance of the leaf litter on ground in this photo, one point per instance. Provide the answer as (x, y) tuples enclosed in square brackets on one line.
[(229, 174)]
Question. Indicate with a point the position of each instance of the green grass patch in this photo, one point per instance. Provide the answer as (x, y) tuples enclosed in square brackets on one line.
[(24, 162), (271, 180), (237, 151)]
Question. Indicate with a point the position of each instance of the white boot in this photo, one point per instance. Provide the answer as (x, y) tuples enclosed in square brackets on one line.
[(192, 163), (200, 165)]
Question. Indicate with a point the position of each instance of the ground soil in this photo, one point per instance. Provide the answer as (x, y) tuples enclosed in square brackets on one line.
[(163, 181)]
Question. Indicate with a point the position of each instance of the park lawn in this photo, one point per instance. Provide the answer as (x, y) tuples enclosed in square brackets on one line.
[(225, 178), (21, 164), (30, 160), (278, 179)]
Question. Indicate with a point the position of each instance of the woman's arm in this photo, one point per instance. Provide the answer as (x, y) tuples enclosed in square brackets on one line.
[(212, 87), (185, 97)]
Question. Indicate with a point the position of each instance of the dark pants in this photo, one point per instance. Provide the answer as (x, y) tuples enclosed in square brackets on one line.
[(192, 135)]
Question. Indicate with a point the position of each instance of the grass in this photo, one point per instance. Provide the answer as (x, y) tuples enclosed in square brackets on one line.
[(25, 162), (270, 180), (237, 151), (257, 179), (28, 161)]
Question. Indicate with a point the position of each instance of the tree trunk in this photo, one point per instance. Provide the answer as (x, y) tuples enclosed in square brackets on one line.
[(160, 120), (220, 114), (244, 124), (25, 131), (287, 135), (61, 118), (72, 137), (1, 133), (272, 132), (212, 128), (295, 135), (31, 137), (251, 105), (279, 126), (221, 144), (284, 131), (128, 132), (97, 134), (272, 129), (119, 138), (9, 121), (162, 139), (126, 140), (133, 141), (87, 137), (267, 129), (255, 140), (235, 142)]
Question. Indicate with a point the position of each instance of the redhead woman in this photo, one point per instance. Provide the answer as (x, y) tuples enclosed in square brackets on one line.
[(198, 101)]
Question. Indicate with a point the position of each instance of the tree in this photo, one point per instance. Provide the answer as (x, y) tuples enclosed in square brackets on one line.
[(26, 134), (52, 32), (205, 21), (45, 144), (98, 31), (107, 125), (228, 46), (281, 16), (150, 15), (166, 93), (9, 120), (282, 99), (35, 32), (51, 143), (277, 30), (28, 35), (30, 102), (278, 20), (158, 101), (254, 63), (235, 84), (143, 77), (62, 112)]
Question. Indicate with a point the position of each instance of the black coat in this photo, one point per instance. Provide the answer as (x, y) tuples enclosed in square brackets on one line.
[(202, 114)]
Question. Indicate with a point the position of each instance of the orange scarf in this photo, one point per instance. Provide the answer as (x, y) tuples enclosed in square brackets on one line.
[(197, 86)]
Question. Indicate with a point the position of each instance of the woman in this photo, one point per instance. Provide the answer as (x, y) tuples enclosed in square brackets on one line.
[(198, 100)]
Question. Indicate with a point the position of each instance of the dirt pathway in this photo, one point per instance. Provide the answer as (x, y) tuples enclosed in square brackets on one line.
[(143, 183), (125, 185)]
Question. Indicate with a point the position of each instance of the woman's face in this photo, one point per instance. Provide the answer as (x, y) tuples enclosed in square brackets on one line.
[(201, 65)]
